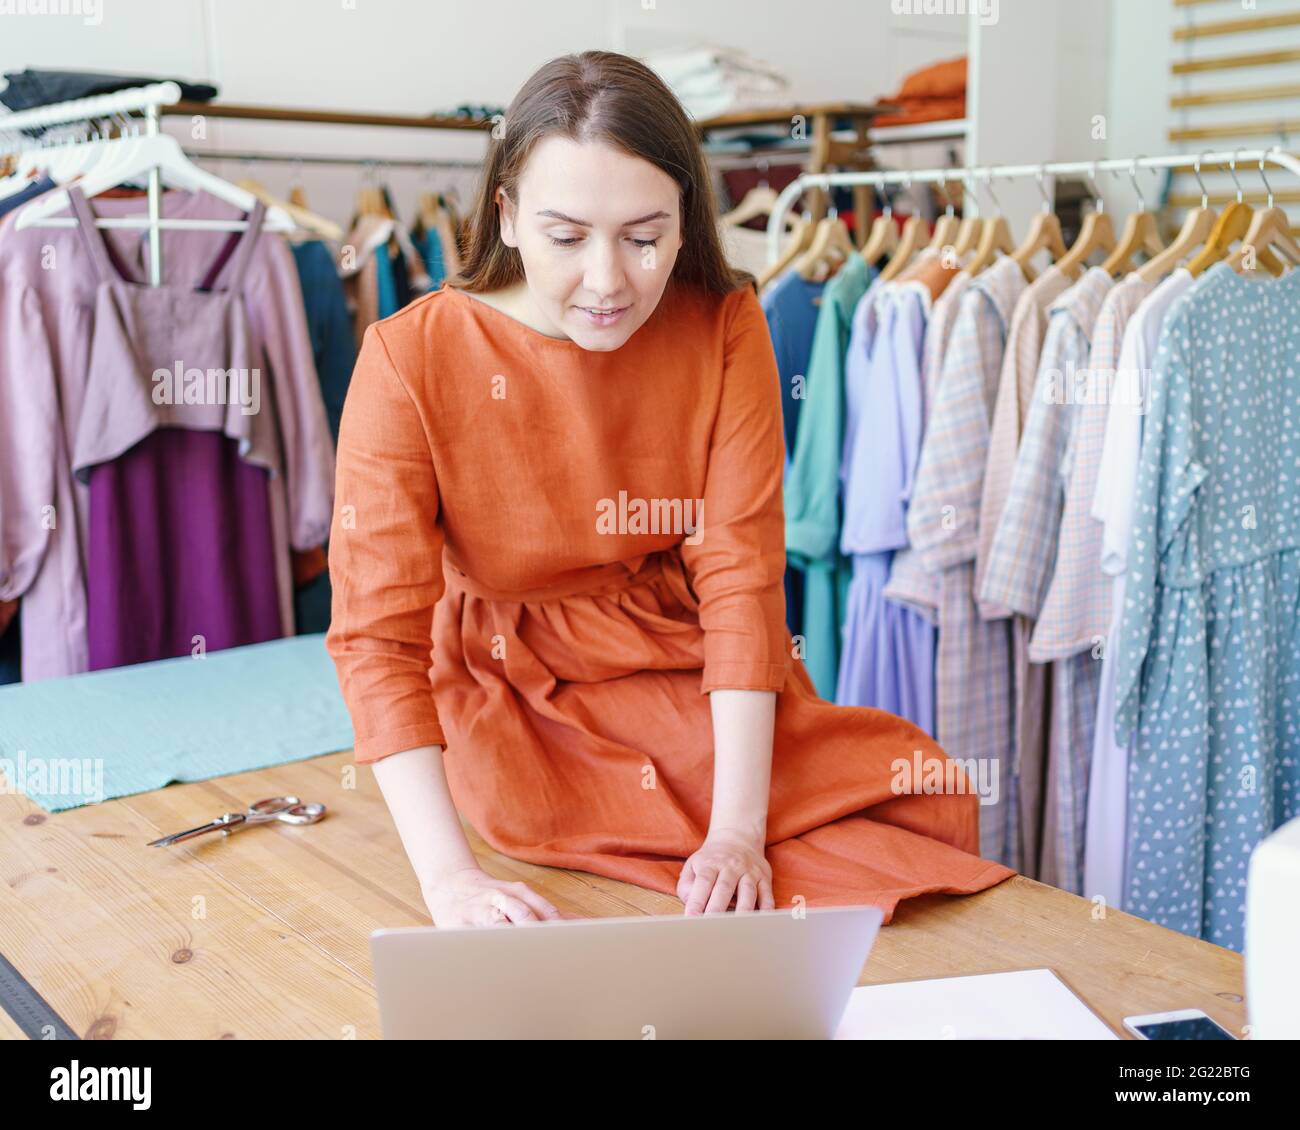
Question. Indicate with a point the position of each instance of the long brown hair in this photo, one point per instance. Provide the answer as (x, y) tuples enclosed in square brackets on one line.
[(612, 98)]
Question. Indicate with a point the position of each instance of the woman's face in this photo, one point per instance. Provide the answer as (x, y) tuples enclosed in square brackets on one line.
[(598, 231)]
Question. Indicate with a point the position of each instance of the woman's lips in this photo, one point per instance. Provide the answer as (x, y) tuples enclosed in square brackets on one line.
[(597, 319)]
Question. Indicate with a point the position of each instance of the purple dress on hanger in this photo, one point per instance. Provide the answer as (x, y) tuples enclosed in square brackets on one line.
[(888, 655), (180, 556)]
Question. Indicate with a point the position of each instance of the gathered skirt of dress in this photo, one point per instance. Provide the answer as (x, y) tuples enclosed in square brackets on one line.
[(577, 737)]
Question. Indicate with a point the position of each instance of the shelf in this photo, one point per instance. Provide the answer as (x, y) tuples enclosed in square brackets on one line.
[(953, 129)]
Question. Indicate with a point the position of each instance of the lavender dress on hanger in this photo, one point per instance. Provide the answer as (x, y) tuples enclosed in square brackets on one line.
[(888, 655), (180, 555)]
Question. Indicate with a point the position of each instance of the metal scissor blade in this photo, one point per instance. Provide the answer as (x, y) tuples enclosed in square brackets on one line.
[(176, 837)]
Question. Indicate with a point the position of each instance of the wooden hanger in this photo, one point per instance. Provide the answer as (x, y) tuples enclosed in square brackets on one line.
[(882, 239), (1195, 231), (995, 237), (1233, 224), (968, 236), (1270, 228), (1140, 234), (428, 210), (972, 226), (909, 243), (1096, 234), (1044, 233), (431, 208), (305, 218), (799, 241), (758, 201), (831, 245), (947, 226), (370, 202), (297, 194)]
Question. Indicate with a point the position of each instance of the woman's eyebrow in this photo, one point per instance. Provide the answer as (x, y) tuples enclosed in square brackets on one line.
[(586, 223)]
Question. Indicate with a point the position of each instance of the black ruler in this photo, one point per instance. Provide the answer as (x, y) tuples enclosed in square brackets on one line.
[(31, 1012)]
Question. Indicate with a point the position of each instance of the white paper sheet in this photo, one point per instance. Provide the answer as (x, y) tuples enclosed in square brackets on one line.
[(1030, 1004)]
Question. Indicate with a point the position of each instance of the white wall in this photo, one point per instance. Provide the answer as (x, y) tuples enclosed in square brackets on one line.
[(1142, 52), (419, 56), (1041, 71)]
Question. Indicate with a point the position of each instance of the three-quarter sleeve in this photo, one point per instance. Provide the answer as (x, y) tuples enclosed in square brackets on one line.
[(385, 561), (737, 570), (29, 425)]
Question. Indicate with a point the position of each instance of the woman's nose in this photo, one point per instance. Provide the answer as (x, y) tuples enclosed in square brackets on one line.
[(603, 273)]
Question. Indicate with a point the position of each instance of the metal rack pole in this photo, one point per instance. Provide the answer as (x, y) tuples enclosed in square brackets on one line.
[(968, 173), (155, 205), (327, 159)]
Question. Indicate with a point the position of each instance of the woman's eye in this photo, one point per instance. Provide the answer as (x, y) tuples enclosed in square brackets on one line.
[(574, 239)]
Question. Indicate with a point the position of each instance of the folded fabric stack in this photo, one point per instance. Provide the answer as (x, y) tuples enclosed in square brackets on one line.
[(933, 94), (711, 80), (41, 87)]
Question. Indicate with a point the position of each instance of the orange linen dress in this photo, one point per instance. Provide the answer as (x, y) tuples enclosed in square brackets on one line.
[(563, 655)]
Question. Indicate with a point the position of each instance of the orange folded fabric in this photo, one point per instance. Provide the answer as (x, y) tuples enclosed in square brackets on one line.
[(940, 80), (916, 110)]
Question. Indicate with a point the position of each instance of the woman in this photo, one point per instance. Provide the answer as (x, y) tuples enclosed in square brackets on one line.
[(558, 553)]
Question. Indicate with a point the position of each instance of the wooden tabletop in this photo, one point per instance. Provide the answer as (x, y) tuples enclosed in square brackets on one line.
[(265, 933)]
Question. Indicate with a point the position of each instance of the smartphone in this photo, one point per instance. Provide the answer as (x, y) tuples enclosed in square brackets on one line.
[(1185, 1024)]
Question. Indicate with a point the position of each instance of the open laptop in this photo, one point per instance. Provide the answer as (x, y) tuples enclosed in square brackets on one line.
[(770, 974)]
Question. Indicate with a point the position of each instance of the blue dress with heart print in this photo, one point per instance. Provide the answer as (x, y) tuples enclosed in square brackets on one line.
[(1209, 645)]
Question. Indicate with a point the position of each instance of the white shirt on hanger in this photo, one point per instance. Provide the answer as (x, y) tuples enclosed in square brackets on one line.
[(1106, 834)]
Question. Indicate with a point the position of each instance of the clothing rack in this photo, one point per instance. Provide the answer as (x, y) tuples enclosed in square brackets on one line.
[(971, 175), (146, 99), (378, 163), (143, 99), (164, 99), (325, 117)]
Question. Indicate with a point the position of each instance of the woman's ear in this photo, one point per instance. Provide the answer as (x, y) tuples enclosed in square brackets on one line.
[(506, 214)]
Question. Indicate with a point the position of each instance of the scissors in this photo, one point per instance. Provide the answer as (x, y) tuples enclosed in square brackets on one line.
[(288, 809)]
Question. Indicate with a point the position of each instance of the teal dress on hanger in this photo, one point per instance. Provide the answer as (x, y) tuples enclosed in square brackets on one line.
[(813, 508)]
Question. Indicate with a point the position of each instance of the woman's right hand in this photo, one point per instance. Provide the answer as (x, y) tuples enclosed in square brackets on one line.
[(471, 897)]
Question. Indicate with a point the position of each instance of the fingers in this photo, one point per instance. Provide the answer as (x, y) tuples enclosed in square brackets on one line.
[(706, 889), (540, 906), (685, 880), (746, 894), (699, 892), (724, 888), (515, 902), (503, 908)]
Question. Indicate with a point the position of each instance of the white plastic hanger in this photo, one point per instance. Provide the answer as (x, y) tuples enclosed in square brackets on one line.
[(65, 159), (132, 158)]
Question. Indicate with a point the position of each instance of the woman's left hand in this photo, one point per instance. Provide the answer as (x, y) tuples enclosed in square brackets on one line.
[(728, 864)]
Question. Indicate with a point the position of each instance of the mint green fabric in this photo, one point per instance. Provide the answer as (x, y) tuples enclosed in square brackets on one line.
[(86, 738), (812, 488)]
